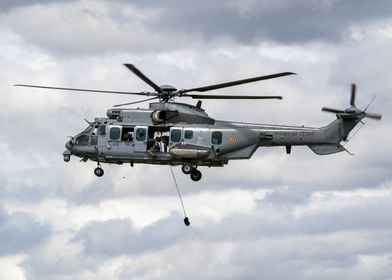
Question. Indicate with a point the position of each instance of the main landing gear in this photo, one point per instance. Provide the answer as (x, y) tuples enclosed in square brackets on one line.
[(98, 171), (188, 168)]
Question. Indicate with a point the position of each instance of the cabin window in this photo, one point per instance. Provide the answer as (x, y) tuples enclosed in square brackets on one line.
[(127, 133), (141, 134), (216, 138), (115, 133), (175, 135), (188, 134)]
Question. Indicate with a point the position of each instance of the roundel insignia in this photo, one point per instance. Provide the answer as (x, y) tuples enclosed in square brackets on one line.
[(232, 138)]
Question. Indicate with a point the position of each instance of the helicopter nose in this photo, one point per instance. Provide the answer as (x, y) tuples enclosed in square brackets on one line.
[(69, 145)]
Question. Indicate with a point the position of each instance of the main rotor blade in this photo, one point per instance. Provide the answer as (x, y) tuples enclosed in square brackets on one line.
[(199, 96), (353, 94), (238, 82), (331, 110), (136, 102), (87, 90), (373, 116), (138, 73)]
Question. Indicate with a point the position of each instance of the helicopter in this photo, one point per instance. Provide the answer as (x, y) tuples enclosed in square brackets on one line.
[(173, 133)]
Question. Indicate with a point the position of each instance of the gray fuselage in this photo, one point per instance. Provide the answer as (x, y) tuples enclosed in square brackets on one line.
[(187, 134)]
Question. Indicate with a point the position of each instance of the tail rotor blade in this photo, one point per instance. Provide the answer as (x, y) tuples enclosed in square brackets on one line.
[(374, 116), (332, 110), (353, 94)]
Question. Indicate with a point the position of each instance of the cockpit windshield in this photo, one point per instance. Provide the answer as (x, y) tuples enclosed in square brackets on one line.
[(87, 137), (88, 130)]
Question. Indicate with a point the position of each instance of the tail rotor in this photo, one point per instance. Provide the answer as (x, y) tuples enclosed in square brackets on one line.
[(353, 112)]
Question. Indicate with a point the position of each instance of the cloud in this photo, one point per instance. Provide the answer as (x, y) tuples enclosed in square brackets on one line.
[(88, 28), (284, 21), (6, 6), (118, 237), (274, 216), (10, 268), (20, 232), (270, 241)]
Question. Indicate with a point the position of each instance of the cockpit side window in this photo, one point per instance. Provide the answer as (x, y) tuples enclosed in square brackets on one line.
[(82, 140), (94, 136)]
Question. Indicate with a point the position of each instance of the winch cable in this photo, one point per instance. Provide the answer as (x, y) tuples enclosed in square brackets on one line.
[(186, 219)]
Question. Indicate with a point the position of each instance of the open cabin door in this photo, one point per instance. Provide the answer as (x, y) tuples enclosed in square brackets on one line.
[(141, 133)]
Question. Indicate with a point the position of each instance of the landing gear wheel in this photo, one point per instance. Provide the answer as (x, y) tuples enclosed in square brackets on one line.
[(195, 175), (187, 168), (98, 172)]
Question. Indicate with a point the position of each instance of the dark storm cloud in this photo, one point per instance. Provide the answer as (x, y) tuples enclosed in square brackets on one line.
[(282, 21), (20, 232), (5, 6), (146, 26)]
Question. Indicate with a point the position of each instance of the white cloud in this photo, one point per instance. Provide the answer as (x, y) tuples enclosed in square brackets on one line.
[(10, 268)]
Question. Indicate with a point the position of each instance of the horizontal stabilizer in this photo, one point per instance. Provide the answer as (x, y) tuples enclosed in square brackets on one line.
[(326, 149)]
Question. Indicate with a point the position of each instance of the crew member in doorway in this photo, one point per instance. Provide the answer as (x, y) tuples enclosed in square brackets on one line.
[(156, 147), (129, 137)]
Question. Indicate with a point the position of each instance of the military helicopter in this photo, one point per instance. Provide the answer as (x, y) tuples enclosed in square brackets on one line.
[(172, 133)]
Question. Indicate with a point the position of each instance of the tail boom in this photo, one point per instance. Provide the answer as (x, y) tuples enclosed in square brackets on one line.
[(322, 141)]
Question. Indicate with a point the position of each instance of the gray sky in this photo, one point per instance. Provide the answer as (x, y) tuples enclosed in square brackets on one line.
[(276, 216)]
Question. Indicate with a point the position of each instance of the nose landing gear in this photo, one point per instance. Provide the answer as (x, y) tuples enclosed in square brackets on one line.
[(99, 171)]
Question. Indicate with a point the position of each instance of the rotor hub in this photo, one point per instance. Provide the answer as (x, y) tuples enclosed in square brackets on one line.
[(167, 88)]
